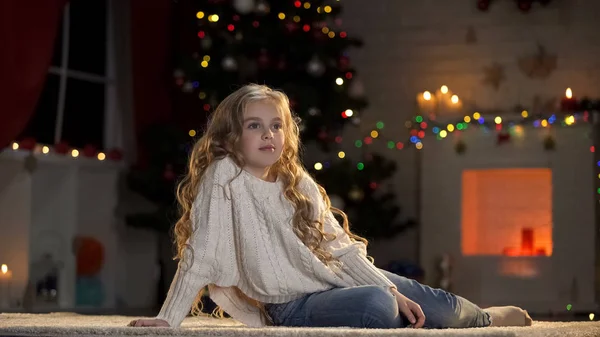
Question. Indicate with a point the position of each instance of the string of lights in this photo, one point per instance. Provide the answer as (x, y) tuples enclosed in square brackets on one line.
[(62, 149), (505, 124)]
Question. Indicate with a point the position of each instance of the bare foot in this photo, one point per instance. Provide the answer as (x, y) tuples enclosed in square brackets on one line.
[(509, 316)]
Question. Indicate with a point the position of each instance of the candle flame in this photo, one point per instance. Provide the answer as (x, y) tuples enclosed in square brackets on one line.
[(4, 269), (427, 95), (444, 89), (569, 93), (454, 99)]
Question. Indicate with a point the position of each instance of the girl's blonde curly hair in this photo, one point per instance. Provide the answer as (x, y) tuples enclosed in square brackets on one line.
[(222, 138)]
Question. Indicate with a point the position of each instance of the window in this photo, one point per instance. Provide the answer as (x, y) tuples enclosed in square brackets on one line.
[(72, 105)]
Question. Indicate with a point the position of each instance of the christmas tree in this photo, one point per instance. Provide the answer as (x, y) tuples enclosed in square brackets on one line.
[(298, 47)]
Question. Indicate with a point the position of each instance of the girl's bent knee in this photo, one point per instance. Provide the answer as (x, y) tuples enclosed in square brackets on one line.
[(380, 309)]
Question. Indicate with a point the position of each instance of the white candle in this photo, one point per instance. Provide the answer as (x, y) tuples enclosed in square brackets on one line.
[(5, 274), (5, 278), (426, 102), (456, 103), (443, 96)]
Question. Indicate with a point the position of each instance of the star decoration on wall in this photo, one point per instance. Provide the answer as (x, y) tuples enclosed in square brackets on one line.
[(539, 65), (494, 75)]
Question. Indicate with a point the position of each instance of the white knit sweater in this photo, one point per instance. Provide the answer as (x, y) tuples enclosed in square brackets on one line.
[(243, 237)]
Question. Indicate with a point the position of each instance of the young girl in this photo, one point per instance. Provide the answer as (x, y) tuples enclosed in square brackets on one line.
[(260, 233)]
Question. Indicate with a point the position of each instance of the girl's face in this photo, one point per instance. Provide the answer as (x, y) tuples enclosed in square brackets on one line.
[(262, 137)]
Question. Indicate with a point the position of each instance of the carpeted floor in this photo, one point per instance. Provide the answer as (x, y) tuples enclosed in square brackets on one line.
[(69, 324)]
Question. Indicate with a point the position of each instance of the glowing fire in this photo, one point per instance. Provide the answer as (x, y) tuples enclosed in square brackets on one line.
[(507, 212)]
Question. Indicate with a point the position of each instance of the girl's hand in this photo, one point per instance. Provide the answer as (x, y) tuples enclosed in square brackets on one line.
[(410, 309), (149, 322)]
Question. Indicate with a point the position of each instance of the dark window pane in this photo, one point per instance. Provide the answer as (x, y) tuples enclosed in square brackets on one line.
[(43, 122), (83, 121), (87, 36), (57, 52)]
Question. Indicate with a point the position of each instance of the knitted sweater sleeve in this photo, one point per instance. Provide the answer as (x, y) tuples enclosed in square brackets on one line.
[(352, 254), (196, 268)]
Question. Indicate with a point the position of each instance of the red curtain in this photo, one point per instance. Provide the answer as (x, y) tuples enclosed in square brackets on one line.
[(151, 64), (27, 33)]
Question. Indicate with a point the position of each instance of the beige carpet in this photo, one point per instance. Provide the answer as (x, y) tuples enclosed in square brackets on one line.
[(69, 324)]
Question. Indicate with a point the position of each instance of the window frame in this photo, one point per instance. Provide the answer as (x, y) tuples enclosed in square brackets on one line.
[(64, 73)]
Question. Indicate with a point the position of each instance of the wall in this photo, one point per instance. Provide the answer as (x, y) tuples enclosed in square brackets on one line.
[(412, 46)]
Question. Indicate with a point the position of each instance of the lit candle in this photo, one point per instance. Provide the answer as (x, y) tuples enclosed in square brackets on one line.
[(568, 103), (448, 102), (426, 102), (455, 106), (443, 97), (5, 277), (5, 274)]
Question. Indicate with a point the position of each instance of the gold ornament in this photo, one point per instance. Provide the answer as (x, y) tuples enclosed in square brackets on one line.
[(356, 194)]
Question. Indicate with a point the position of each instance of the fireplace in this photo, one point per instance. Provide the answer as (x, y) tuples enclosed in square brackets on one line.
[(507, 212), (516, 218)]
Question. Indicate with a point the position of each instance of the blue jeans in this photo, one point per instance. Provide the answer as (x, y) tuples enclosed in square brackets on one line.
[(376, 307)]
